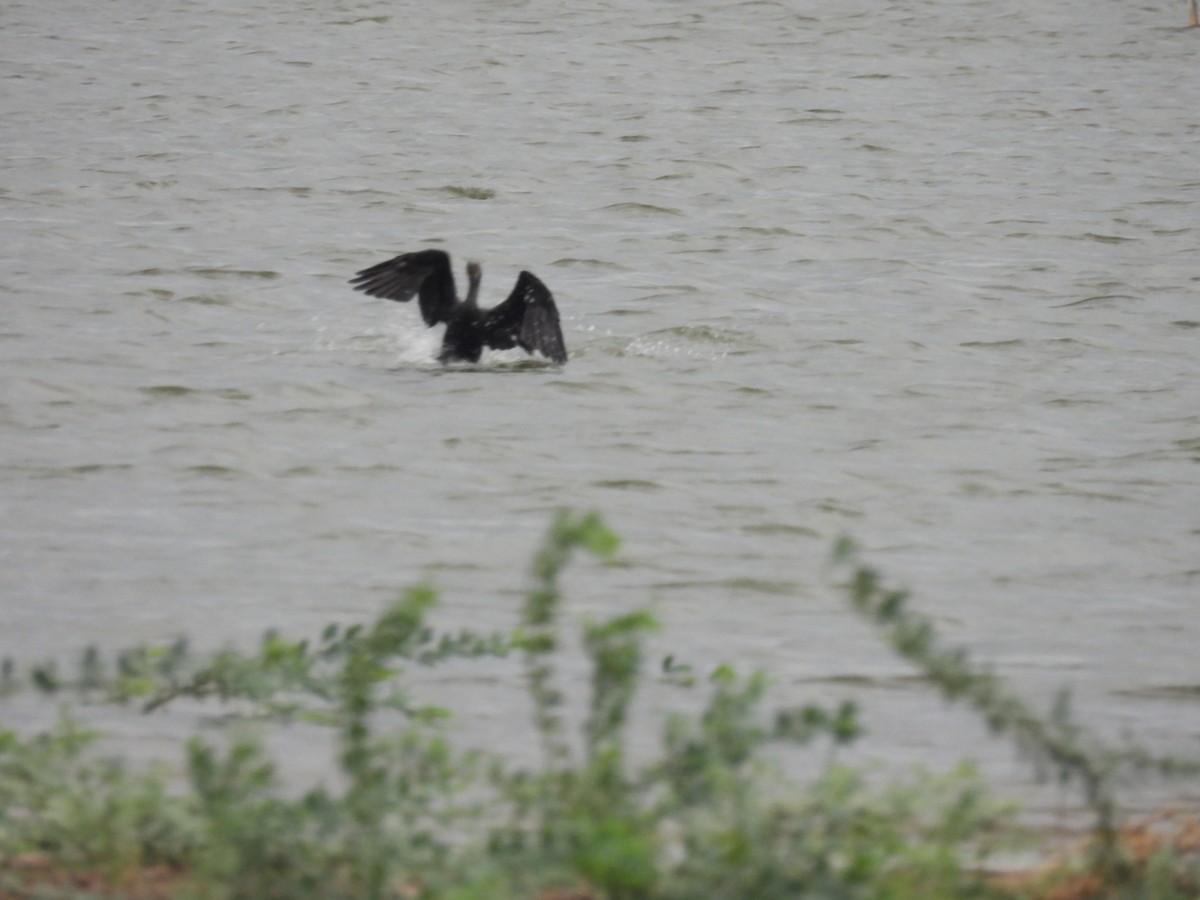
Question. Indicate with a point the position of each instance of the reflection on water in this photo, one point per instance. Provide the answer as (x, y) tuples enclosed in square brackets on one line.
[(922, 275)]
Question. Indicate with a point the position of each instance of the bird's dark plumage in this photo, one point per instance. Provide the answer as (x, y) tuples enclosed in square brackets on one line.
[(527, 319)]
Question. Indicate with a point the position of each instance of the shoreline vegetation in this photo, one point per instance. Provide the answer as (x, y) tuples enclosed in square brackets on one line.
[(710, 816)]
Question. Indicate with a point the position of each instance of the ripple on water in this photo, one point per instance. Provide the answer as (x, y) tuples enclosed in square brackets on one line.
[(628, 484), (759, 586), (210, 272), (173, 391), (643, 209)]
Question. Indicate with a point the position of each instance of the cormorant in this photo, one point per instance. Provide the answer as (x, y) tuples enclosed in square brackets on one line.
[(527, 319)]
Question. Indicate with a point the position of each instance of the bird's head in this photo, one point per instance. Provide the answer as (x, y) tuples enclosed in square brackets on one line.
[(474, 273)]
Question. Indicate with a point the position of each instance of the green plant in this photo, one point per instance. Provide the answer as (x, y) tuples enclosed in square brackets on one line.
[(86, 812), (710, 814), (711, 817), (1055, 742)]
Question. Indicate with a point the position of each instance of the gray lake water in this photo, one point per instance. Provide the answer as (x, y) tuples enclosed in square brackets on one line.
[(924, 274)]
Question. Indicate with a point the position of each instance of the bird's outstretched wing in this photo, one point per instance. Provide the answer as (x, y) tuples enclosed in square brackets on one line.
[(426, 273), (528, 319)]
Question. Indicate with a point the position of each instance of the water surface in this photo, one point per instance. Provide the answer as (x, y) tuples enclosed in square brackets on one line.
[(923, 274)]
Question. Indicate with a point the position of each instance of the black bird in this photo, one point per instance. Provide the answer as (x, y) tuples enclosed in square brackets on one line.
[(527, 319)]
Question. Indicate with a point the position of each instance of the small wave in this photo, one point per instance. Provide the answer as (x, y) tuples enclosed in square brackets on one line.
[(166, 391), (47, 472), (737, 586), (1104, 238), (783, 529), (469, 193), (209, 272), (628, 484), (644, 209), (992, 345), (590, 263), (1099, 298), (214, 471)]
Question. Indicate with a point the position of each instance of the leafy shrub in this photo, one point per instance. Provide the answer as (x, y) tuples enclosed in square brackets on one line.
[(711, 816)]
